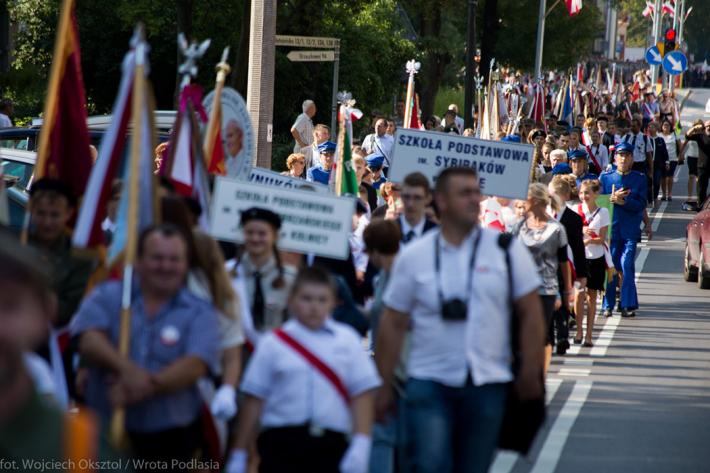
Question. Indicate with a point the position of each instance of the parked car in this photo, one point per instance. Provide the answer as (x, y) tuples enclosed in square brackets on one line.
[(697, 248)]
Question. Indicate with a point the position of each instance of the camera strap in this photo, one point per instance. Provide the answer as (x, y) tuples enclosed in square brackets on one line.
[(437, 265)]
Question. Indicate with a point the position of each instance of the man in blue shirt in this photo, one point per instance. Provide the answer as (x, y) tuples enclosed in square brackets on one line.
[(174, 341), (580, 166), (627, 190), (321, 173)]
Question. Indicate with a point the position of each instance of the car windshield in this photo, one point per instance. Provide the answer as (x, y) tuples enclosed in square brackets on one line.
[(21, 171)]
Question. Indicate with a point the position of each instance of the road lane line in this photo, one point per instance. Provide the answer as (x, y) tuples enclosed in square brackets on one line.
[(504, 460), (551, 451)]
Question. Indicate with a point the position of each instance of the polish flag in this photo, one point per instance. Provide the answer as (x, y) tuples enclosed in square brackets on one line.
[(668, 9), (573, 6), (649, 10)]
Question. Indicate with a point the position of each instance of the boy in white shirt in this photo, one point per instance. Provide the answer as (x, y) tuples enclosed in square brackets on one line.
[(311, 386)]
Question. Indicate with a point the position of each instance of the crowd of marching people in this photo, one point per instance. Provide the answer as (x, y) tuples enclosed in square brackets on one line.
[(403, 357)]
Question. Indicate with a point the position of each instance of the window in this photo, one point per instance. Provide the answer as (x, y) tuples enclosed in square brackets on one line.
[(18, 169)]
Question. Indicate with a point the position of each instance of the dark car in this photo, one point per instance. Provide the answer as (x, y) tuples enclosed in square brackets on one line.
[(697, 248)]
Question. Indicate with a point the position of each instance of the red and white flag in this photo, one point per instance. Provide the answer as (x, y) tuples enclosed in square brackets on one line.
[(573, 6), (668, 9), (88, 232), (650, 9), (185, 167), (537, 111)]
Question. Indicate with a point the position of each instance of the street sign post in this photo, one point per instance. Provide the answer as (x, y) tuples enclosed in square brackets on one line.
[(307, 42), (654, 56), (675, 63), (311, 56)]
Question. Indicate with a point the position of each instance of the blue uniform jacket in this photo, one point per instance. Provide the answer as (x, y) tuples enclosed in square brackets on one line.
[(318, 174), (586, 177), (626, 221)]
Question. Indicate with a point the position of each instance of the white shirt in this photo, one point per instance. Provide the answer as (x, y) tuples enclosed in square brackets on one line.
[(458, 121), (294, 392), (446, 351), (596, 221), (670, 140), (304, 126), (691, 149), (418, 229), (642, 145), (601, 154), (238, 167), (379, 144), (5, 121)]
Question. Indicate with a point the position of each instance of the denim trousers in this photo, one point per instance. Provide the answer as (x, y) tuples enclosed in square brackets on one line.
[(452, 429), (388, 443)]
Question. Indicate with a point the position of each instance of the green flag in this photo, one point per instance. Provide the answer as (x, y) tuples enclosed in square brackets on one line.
[(346, 180)]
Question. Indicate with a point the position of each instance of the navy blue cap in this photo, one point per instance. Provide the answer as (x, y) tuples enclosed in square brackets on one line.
[(375, 160), (511, 139), (561, 168), (265, 215), (576, 154), (624, 147), (327, 146)]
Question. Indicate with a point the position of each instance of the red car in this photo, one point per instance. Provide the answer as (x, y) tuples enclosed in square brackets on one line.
[(697, 248)]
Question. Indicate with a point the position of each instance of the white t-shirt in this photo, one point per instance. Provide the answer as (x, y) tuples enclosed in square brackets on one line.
[(670, 140), (304, 126), (447, 351), (692, 150), (595, 220), (5, 121)]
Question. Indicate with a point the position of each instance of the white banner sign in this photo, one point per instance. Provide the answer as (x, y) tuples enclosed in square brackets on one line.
[(311, 222), (503, 168), (267, 177)]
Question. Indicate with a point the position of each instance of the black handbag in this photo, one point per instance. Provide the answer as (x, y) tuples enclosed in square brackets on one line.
[(522, 419)]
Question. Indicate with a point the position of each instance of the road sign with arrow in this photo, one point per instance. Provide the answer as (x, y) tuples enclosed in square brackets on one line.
[(675, 63), (653, 56)]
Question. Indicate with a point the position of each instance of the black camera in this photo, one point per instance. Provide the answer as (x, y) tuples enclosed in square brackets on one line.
[(454, 310)]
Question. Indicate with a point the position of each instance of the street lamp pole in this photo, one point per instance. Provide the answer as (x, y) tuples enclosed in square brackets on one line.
[(470, 65)]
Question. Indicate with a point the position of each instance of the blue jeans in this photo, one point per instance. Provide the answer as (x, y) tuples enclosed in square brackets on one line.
[(623, 254), (453, 430), (388, 440)]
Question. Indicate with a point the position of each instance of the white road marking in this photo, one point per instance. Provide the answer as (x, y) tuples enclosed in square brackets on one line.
[(551, 451), (504, 460), (577, 372)]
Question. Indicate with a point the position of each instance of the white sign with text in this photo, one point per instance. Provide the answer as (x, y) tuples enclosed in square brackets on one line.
[(311, 222), (503, 167)]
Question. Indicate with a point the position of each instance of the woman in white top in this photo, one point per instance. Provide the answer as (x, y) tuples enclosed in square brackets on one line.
[(599, 152), (596, 225), (691, 152), (673, 147)]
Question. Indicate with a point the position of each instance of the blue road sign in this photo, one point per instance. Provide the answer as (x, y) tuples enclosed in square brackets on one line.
[(675, 63), (653, 56)]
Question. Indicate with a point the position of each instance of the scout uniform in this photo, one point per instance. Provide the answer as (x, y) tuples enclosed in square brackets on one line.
[(576, 155), (319, 173), (306, 419), (375, 162), (263, 306), (625, 233)]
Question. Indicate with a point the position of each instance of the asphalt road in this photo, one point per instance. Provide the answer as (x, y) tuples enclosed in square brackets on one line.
[(639, 401)]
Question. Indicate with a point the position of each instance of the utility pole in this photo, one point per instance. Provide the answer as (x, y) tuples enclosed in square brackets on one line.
[(470, 64), (656, 36), (540, 37), (260, 86)]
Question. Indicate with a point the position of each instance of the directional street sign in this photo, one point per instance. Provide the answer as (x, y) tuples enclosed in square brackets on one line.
[(675, 63), (653, 56), (306, 42), (311, 56)]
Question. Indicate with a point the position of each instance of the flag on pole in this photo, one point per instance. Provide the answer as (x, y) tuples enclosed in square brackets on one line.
[(63, 151), (213, 148), (667, 9), (484, 131), (537, 110), (110, 162), (495, 112), (567, 113), (185, 167), (138, 208), (650, 10), (414, 121), (345, 178), (573, 6)]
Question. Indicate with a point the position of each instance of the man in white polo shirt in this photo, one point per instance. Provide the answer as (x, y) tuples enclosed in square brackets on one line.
[(450, 289)]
